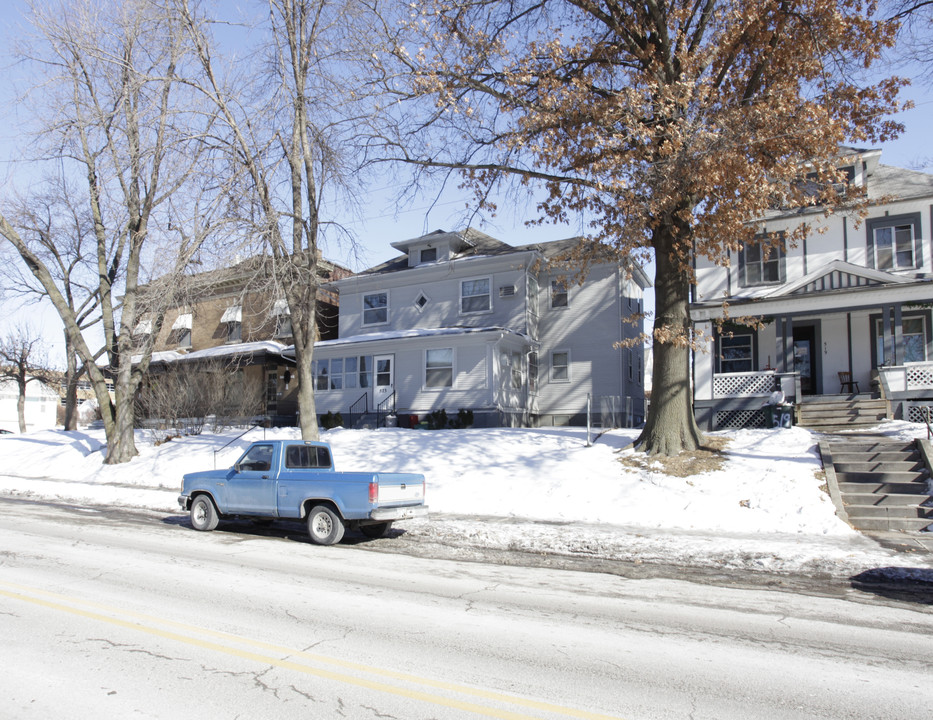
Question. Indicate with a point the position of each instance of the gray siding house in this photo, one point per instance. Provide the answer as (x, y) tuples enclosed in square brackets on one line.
[(461, 320), (845, 312)]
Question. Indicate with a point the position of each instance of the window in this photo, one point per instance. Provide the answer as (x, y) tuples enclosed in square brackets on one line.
[(533, 372), (516, 363), (272, 389), (376, 309), (307, 456), (234, 332), (366, 372), (429, 255), (351, 372), (181, 331), (439, 368), (735, 353), (283, 326), (761, 265), (321, 371), (421, 301), (915, 341), (474, 296), (560, 366), (258, 459), (894, 241), (558, 293)]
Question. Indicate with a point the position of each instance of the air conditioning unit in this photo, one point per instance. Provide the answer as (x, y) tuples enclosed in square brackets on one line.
[(507, 291)]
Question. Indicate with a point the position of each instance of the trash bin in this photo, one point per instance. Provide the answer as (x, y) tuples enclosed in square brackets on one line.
[(781, 416)]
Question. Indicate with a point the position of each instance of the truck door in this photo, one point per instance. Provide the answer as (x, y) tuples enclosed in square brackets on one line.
[(251, 488)]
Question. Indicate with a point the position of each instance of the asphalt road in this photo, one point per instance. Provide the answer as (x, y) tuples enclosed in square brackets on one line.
[(105, 614)]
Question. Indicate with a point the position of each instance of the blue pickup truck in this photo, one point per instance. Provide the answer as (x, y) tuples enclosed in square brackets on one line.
[(295, 479)]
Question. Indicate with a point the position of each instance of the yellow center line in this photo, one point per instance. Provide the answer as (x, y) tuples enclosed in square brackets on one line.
[(18, 592)]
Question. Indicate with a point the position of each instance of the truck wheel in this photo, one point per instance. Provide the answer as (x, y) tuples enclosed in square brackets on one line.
[(325, 526), (376, 530), (203, 513)]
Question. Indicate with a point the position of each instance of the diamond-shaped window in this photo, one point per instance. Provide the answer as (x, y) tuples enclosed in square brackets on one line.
[(421, 301)]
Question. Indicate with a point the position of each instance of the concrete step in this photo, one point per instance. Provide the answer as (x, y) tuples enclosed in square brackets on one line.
[(883, 487), (842, 454), (882, 477), (901, 524), (904, 466), (884, 500), (888, 511)]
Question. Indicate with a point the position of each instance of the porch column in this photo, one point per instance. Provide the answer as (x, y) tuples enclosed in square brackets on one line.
[(789, 364), (704, 366), (898, 335), (887, 344)]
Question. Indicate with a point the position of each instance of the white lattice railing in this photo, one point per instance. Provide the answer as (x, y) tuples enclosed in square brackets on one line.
[(912, 376), (743, 384)]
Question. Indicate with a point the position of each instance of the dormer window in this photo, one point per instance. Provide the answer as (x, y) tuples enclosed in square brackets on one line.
[(429, 255)]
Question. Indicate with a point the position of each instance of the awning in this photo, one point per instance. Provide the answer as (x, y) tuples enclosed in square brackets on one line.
[(280, 308), (143, 327), (234, 313), (182, 322)]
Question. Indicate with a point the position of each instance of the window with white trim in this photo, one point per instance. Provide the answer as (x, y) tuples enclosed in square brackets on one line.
[(429, 255), (894, 242), (736, 352), (376, 308), (559, 297), (761, 264), (560, 366), (915, 340), (439, 368), (533, 371), (475, 296)]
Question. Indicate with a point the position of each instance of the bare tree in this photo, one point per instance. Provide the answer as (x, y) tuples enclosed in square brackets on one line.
[(57, 227), (115, 117), (286, 141), (23, 359)]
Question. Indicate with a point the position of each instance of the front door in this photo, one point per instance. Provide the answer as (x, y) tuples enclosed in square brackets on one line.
[(805, 358), (384, 384)]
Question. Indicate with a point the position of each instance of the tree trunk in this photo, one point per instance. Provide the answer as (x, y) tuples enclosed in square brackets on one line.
[(670, 426), (21, 406), (121, 442), (71, 387)]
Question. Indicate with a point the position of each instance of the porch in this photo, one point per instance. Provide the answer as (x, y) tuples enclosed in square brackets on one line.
[(903, 392)]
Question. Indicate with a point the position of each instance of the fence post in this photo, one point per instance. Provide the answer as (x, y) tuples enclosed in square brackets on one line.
[(589, 413)]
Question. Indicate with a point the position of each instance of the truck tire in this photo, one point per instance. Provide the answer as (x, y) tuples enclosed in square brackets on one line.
[(325, 526), (204, 513), (376, 530)]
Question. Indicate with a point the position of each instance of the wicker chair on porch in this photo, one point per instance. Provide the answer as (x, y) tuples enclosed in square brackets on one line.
[(845, 380)]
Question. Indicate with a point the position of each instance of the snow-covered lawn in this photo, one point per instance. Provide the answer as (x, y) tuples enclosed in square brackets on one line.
[(539, 490)]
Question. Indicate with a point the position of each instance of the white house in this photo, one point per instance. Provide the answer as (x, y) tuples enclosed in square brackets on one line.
[(41, 408), (847, 311), (465, 321)]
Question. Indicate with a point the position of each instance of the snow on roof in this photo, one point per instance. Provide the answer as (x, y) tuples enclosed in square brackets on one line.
[(269, 347)]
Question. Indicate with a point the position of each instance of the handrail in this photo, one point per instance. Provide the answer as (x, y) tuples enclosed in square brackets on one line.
[(364, 398), (926, 419), (251, 427), (382, 410)]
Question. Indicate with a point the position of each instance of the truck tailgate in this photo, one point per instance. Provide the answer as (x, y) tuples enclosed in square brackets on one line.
[(400, 489)]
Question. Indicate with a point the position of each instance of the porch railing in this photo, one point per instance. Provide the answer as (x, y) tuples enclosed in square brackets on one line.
[(906, 377), (384, 409), (355, 410), (754, 384)]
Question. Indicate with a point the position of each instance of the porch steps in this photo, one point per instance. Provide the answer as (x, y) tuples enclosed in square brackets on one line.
[(832, 413), (879, 485)]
